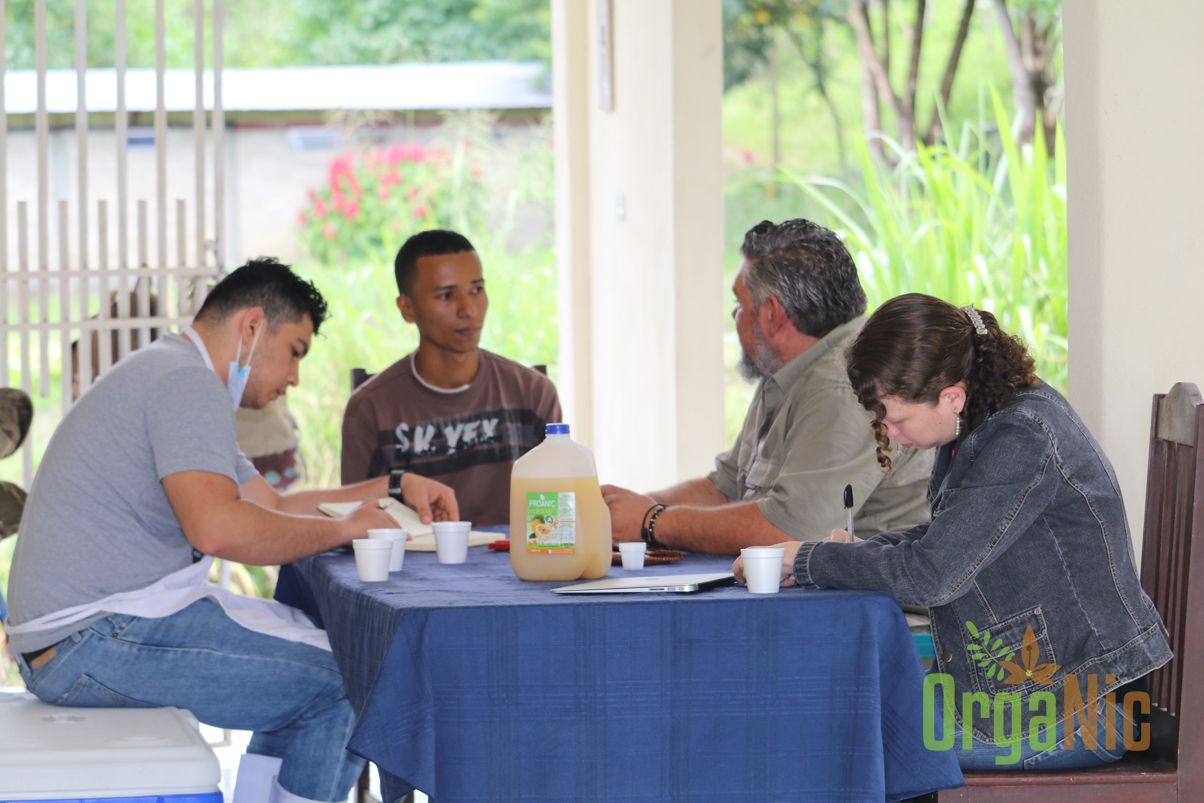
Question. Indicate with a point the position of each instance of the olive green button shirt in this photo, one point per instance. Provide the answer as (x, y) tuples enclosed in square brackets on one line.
[(805, 438)]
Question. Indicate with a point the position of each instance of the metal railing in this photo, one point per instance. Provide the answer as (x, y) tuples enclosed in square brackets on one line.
[(106, 307)]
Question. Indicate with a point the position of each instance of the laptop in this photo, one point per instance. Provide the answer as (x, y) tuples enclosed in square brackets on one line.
[(670, 584)]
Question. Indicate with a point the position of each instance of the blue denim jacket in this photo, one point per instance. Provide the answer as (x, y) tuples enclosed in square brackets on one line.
[(1028, 529)]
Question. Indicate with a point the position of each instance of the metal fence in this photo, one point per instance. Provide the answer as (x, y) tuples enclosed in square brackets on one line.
[(94, 304)]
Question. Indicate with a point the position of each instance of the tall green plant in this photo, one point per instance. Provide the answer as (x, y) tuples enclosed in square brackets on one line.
[(982, 223)]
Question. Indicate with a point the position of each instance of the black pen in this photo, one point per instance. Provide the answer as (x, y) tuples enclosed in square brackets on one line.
[(848, 506)]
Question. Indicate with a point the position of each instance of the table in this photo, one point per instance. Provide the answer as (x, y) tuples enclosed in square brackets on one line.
[(473, 685)]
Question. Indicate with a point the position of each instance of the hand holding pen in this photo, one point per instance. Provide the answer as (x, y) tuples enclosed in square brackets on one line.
[(845, 536)]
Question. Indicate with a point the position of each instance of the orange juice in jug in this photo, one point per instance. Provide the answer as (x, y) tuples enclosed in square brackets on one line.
[(559, 525)]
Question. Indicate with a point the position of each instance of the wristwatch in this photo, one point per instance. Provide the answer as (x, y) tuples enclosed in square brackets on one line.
[(395, 483)]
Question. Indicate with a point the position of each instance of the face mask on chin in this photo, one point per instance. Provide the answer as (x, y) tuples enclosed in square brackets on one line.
[(236, 377)]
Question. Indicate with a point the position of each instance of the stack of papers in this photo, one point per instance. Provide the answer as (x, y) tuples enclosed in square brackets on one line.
[(423, 535)]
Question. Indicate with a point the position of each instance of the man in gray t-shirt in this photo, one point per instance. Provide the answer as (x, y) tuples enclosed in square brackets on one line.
[(98, 515), (141, 482)]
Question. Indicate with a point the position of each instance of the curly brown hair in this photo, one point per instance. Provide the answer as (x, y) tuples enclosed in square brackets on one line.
[(914, 346)]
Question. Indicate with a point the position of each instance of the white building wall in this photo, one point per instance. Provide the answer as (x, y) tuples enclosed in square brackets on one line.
[(1135, 108)]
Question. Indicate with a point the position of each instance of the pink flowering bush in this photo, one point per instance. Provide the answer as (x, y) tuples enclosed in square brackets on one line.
[(373, 201)]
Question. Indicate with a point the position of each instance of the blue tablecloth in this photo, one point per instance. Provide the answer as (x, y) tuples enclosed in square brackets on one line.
[(472, 685)]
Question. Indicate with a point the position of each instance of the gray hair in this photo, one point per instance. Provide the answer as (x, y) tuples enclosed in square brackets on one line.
[(808, 269)]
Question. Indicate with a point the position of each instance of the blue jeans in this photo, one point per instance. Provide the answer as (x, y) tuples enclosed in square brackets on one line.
[(981, 755), (291, 695)]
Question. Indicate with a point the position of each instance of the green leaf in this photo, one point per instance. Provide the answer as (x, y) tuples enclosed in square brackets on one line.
[(977, 219), (1010, 656), (984, 663), (973, 630), (998, 643)]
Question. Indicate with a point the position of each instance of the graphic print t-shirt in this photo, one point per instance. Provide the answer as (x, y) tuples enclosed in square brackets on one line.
[(468, 439)]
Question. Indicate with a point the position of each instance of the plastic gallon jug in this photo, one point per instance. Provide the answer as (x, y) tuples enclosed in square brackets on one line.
[(559, 525)]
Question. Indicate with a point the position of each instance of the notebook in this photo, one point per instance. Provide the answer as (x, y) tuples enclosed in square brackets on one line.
[(423, 535)]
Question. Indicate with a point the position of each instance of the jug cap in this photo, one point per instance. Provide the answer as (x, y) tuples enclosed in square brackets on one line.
[(558, 429)]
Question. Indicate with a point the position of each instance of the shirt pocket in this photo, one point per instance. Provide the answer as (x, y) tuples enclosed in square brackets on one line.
[(762, 474), (1009, 634)]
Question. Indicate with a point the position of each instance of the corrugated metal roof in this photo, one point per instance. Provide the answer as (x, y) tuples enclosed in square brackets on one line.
[(449, 85)]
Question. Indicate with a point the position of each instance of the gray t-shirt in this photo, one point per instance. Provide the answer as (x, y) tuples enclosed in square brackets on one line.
[(98, 521)]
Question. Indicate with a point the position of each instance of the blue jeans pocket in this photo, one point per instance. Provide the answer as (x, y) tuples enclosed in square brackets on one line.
[(91, 693)]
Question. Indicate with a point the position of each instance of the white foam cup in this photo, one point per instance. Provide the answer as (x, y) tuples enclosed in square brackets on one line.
[(398, 538), (763, 568), (451, 540), (372, 556), (633, 554)]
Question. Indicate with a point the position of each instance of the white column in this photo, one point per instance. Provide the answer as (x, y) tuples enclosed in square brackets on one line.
[(648, 352), (698, 232), (571, 102), (1135, 104)]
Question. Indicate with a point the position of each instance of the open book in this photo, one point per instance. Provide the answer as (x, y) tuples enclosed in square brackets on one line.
[(423, 534)]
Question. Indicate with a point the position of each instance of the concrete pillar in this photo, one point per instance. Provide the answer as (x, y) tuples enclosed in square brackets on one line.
[(646, 337), (570, 136), (1135, 106)]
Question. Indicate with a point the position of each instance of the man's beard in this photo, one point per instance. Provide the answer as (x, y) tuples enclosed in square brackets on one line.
[(764, 362)]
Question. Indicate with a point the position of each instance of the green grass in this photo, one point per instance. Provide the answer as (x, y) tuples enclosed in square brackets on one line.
[(980, 222)]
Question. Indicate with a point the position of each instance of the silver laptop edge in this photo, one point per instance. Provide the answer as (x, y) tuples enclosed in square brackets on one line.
[(678, 584)]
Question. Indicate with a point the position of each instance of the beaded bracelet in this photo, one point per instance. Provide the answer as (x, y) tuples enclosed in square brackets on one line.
[(648, 531)]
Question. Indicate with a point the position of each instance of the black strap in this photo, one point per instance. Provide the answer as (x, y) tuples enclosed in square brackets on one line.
[(648, 526)]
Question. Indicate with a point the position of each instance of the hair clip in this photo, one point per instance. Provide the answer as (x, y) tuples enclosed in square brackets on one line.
[(976, 320)]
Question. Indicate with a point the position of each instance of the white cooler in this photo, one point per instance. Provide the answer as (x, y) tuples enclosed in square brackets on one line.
[(134, 755)]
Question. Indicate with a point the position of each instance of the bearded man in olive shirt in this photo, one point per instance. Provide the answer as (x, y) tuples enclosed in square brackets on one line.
[(450, 409), (798, 300)]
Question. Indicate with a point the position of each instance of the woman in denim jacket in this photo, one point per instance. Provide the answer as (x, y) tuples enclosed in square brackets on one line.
[(1028, 539)]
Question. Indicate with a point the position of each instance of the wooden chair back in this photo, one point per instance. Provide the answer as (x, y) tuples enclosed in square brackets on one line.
[(1172, 573)]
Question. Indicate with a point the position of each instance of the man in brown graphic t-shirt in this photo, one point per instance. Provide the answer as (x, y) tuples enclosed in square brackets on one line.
[(448, 410)]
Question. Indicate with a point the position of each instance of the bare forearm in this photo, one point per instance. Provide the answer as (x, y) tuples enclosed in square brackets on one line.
[(723, 530), (305, 503), (254, 535), (698, 492)]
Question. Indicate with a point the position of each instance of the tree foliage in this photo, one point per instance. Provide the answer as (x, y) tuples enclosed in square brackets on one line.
[(749, 25), (391, 31), (750, 39), (1032, 36), (278, 33)]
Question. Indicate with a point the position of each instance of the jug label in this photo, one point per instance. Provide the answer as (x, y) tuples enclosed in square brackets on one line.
[(552, 523)]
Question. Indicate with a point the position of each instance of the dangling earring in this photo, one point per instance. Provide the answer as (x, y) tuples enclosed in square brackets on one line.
[(957, 433)]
